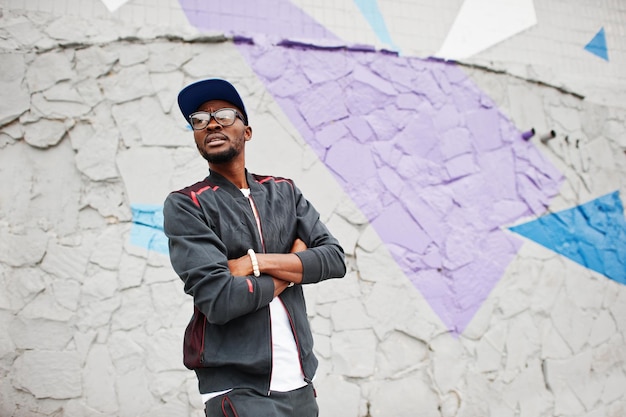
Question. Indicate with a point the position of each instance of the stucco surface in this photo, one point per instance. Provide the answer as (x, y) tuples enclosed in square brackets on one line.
[(411, 162)]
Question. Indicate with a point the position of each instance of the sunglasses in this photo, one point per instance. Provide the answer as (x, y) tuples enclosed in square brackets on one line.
[(224, 117)]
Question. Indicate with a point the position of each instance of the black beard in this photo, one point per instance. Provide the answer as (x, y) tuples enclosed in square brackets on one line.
[(220, 158)]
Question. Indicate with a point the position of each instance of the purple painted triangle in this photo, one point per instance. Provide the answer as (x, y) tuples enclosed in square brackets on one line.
[(432, 163), (280, 18)]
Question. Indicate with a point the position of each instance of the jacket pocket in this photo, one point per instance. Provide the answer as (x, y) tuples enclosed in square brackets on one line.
[(193, 342)]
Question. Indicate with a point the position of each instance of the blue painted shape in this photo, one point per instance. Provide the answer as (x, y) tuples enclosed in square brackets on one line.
[(147, 230), (371, 12), (592, 234), (597, 45)]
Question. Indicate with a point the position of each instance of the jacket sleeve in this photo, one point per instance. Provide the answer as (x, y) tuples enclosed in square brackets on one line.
[(324, 257), (199, 258)]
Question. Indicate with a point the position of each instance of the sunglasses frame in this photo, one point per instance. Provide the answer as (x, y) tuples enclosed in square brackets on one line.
[(212, 116)]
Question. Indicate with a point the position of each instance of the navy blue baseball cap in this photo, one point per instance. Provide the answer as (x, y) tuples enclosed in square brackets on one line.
[(196, 93)]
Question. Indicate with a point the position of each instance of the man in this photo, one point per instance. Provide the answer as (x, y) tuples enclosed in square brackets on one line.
[(244, 244)]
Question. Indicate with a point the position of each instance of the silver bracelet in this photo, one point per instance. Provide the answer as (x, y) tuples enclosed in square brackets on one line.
[(255, 263)]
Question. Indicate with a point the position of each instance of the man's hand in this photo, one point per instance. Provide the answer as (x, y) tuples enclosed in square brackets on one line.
[(241, 267), (298, 246), (279, 284)]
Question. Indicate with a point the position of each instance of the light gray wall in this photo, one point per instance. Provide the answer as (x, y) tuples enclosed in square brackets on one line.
[(91, 324)]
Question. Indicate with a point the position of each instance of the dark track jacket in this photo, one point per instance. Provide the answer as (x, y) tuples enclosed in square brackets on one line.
[(228, 340)]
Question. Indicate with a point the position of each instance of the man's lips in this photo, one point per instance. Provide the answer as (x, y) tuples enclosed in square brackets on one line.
[(214, 140)]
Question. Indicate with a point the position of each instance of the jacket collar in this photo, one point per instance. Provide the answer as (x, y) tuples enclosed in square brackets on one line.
[(225, 184)]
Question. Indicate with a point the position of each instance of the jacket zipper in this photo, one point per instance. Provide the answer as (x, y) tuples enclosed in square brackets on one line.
[(269, 381), (257, 220), (203, 337)]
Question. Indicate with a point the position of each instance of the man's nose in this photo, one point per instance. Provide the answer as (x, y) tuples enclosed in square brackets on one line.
[(213, 124)]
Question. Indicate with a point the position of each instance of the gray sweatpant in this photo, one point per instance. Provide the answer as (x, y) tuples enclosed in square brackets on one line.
[(249, 403)]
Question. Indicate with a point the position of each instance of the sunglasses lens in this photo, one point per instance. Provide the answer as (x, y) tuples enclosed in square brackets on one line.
[(225, 117), (199, 120)]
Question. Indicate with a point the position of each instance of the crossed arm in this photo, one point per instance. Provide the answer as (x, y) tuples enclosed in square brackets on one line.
[(284, 268)]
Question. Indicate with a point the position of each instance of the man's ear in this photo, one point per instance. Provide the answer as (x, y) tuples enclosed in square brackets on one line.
[(248, 133)]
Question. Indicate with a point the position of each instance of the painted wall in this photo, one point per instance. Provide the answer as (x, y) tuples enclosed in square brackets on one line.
[(487, 261)]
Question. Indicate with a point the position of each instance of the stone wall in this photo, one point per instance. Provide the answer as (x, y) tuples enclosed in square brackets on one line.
[(486, 266)]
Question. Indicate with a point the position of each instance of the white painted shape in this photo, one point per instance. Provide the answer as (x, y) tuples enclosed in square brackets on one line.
[(418, 28), (113, 5), (481, 24)]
